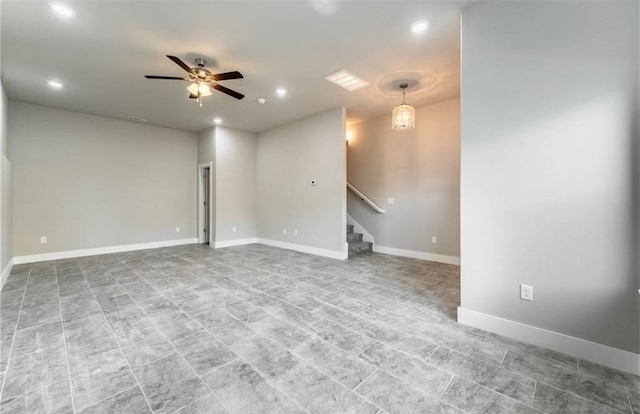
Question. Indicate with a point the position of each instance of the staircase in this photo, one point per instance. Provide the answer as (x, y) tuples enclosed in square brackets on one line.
[(356, 245)]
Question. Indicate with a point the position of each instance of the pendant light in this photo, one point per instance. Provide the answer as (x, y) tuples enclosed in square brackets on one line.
[(403, 116)]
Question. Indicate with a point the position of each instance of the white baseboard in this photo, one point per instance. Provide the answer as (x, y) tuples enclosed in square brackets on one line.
[(100, 250), (358, 228), (432, 257), (602, 354), (307, 249), (236, 242), (5, 273)]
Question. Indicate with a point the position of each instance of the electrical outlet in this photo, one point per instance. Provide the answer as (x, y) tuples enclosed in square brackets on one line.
[(390, 200), (233, 229), (295, 232), (177, 229), (43, 240), (526, 292), (434, 239), (284, 231)]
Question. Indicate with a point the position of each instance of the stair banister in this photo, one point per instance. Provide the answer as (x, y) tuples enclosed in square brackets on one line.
[(364, 198)]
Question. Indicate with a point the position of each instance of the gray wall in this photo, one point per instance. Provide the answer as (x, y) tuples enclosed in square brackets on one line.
[(5, 187), (235, 179), (419, 169), (86, 181), (288, 158), (550, 166), (207, 154)]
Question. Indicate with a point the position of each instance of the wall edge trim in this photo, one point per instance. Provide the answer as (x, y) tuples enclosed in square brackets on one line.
[(317, 251), (414, 254), (69, 254), (235, 242), (581, 348)]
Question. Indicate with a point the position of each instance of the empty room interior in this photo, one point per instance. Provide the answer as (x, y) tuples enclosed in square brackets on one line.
[(320, 206)]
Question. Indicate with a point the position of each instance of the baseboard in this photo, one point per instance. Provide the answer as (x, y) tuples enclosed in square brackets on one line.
[(5, 273), (100, 250), (306, 249), (432, 257), (236, 242), (359, 228), (602, 354)]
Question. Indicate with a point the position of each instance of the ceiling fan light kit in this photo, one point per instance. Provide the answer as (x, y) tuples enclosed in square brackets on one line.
[(202, 79), (403, 116)]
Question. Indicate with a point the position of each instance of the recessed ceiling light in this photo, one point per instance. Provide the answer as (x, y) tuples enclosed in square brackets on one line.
[(62, 9), (420, 26), (262, 101), (217, 121), (346, 80), (55, 84), (281, 91)]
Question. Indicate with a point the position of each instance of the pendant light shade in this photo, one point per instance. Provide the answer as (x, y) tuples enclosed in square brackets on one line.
[(403, 116)]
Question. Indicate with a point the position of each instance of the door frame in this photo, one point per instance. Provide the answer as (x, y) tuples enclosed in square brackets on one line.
[(201, 211)]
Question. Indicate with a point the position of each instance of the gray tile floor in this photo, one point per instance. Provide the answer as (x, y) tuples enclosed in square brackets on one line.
[(256, 329)]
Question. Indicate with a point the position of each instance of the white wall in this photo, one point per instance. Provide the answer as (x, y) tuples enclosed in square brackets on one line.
[(86, 181), (550, 166), (419, 169), (288, 158), (235, 177)]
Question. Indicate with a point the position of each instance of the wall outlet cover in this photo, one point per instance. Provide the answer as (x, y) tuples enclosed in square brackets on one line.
[(177, 229), (526, 292), (390, 200)]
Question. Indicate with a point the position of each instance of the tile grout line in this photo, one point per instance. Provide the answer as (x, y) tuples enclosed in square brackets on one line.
[(533, 397), (15, 330), (104, 316), (426, 359), (107, 397), (445, 388), (295, 404), (64, 337), (376, 369)]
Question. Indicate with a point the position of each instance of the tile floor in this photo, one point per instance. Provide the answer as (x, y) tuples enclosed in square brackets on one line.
[(256, 329)]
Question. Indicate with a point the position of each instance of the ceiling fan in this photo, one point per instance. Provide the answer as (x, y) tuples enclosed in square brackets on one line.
[(202, 79)]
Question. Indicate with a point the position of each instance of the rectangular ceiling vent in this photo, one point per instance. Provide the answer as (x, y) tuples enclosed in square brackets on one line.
[(346, 80)]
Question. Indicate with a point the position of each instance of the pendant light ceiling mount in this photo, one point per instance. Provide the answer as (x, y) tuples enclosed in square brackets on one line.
[(403, 116)]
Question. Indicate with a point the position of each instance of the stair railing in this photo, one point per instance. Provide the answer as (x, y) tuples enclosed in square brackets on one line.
[(364, 198)]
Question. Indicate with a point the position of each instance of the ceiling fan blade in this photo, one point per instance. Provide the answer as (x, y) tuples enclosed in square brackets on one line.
[(228, 91), (165, 77), (192, 96), (180, 63), (227, 76)]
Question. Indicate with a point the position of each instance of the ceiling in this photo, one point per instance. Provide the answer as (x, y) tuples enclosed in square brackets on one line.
[(102, 54)]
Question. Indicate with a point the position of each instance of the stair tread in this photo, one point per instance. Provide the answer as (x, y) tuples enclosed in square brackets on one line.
[(354, 237), (356, 245)]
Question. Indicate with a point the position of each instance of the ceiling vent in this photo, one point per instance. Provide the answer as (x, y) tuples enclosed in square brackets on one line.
[(346, 80)]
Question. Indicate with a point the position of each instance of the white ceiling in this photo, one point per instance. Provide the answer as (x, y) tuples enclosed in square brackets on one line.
[(103, 53)]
